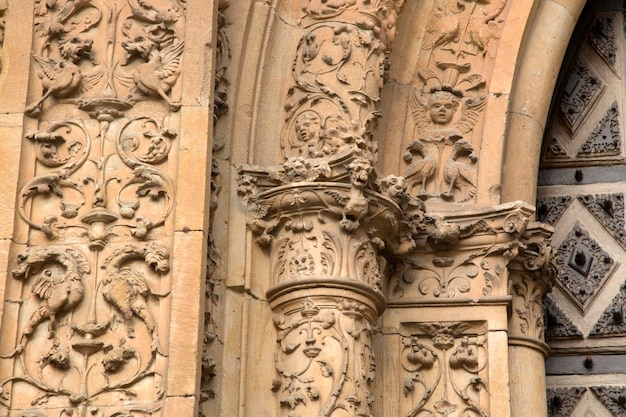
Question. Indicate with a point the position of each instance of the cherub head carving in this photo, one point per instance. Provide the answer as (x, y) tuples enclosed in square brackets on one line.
[(442, 106), (308, 125)]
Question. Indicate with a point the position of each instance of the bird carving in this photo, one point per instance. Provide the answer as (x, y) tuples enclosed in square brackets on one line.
[(127, 291), (59, 293), (159, 72), (421, 170), (458, 174), (483, 30), (445, 28), (61, 78)]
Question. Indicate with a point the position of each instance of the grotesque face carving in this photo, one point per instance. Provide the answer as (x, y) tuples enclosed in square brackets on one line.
[(442, 106), (301, 264), (360, 170), (393, 187), (297, 169)]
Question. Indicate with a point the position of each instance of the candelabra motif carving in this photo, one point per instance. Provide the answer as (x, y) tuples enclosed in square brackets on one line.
[(102, 132), (441, 155), (146, 64)]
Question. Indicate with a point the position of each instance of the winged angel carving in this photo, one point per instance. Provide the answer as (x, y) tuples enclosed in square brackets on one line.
[(441, 134)]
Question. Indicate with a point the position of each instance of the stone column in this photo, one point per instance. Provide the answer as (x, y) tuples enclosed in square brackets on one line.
[(320, 214), (324, 240), (530, 277)]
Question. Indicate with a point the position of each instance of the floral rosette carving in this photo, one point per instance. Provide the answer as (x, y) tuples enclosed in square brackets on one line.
[(324, 360), (88, 351), (446, 368)]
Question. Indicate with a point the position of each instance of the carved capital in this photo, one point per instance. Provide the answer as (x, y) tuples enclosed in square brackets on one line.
[(321, 231), (531, 276), (462, 256)]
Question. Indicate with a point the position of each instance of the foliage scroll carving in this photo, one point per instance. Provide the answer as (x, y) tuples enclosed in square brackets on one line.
[(102, 131), (445, 364)]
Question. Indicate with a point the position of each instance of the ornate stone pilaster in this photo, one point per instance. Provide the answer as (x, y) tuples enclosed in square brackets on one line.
[(530, 278), (94, 322), (448, 299)]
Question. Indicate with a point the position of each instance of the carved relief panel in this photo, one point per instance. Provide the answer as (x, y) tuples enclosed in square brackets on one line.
[(444, 368), (89, 296), (581, 194), (445, 101)]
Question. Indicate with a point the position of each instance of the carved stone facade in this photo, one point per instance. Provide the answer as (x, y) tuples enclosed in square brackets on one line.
[(314, 208)]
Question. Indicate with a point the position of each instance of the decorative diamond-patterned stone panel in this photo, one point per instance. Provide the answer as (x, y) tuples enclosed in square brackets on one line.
[(613, 398), (563, 401), (582, 87), (605, 139), (550, 209), (613, 320), (557, 322), (602, 38), (583, 267), (609, 210)]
